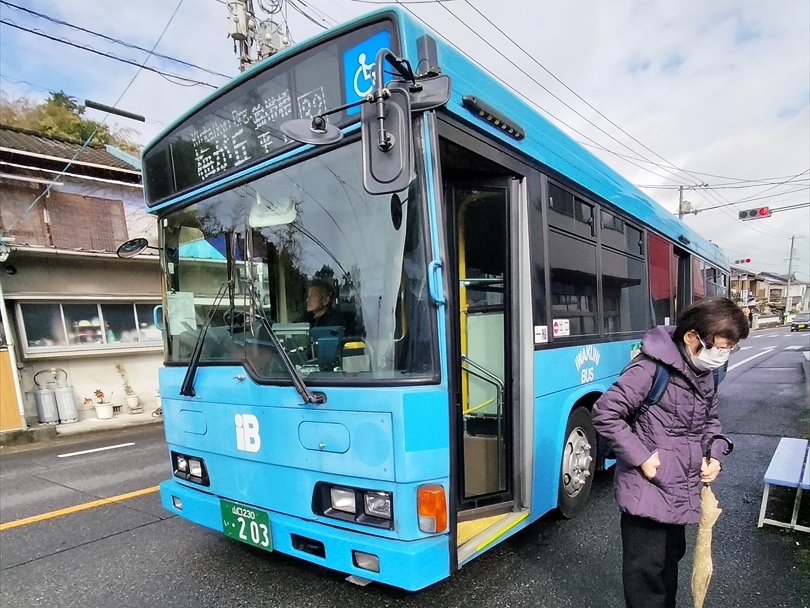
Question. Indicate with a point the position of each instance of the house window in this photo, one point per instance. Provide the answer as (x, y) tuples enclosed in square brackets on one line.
[(86, 326)]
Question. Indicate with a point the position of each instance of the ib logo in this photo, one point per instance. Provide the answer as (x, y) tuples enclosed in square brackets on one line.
[(358, 68), (247, 433)]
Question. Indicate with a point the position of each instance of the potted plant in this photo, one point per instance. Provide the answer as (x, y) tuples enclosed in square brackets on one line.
[(104, 409), (131, 397)]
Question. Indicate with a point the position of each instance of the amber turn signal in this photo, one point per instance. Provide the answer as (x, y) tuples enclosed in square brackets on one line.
[(431, 505)]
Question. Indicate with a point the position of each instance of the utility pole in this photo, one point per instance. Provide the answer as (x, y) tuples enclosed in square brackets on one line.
[(790, 269), (684, 207), (248, 31)]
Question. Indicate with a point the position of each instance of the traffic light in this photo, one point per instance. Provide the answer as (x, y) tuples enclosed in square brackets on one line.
[(755, 214), (743, 261)]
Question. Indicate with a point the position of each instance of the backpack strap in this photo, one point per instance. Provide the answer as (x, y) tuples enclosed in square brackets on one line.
[(659, 385)]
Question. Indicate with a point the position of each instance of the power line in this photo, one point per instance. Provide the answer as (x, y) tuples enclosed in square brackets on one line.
[(727, 186), (577, 95), (530, 77), (302, 12), (315, 10), (714, 195), (628, 158), (740, 179), (90, 137), (110, 39), (518, 93), (746, 200), (103, 54)]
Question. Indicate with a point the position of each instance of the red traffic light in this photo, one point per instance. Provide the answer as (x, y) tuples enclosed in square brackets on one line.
[(747, 260), (755, 214), (743, 261)]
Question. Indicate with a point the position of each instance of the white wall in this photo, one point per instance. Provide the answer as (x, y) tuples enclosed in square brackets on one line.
[(86, 374)]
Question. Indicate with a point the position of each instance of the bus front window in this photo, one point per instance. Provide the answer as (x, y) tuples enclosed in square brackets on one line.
[(340, 277)]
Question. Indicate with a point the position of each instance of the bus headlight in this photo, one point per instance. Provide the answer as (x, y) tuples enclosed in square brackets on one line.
[(190, 468), (343, 499), (358, 505), (195, 467), (377, 504)]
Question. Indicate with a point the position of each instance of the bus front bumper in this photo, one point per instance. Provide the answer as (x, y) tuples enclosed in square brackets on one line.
[(410, 565)]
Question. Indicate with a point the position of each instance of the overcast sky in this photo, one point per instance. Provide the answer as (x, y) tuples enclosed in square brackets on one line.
[(668, 93)]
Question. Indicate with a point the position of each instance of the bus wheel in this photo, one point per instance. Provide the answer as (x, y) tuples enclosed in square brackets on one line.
[(578, 463)]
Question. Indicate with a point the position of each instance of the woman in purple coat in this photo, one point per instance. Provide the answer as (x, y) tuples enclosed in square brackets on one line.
[(660, 463)]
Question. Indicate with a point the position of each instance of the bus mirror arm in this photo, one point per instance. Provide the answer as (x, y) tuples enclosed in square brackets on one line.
[(385, 141), (316, 130)]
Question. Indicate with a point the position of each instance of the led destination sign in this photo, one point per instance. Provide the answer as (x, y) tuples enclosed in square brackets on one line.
[(242, 127)]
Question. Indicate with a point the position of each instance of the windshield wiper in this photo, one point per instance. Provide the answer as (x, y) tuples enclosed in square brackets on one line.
[(187, 388), (307, 395)]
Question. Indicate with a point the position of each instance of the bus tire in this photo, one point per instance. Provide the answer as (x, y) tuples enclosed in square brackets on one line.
[(578, 463)]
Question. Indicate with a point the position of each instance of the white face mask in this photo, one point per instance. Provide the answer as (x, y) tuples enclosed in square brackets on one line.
[(709, 358)]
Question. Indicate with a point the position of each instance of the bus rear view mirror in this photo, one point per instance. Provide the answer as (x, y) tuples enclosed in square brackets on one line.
[(133, 247), (386, 129)]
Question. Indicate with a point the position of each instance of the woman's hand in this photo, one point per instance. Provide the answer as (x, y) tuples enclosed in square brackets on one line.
[(650, 466), (709, 470)]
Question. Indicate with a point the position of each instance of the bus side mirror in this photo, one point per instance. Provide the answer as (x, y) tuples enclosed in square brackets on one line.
[(387, 157)]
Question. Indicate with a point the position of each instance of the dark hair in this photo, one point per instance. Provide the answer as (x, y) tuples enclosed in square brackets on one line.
[(713, 317)]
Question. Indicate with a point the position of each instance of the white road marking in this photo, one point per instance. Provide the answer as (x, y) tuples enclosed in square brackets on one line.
[(793, 347), (109, 447), (759, 354), (745, 347)]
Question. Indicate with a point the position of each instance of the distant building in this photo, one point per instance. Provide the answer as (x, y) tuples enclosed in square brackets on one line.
[(766, 289), (67, 300)]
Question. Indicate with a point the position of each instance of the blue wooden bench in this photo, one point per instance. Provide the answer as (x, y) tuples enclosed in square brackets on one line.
[(789, 467)]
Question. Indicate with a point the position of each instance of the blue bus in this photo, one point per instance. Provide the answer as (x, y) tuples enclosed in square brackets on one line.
[(393, 292)]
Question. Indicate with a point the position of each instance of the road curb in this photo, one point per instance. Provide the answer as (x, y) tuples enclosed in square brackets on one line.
[(47, 432), (33, 434)]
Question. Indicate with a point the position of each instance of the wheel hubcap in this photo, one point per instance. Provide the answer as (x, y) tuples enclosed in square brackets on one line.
[(576, 467)]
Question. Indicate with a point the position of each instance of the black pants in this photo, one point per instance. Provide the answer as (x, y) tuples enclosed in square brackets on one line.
[(650, 555)]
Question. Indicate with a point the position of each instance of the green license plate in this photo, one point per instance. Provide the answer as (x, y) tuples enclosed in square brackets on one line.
[(250, 525)]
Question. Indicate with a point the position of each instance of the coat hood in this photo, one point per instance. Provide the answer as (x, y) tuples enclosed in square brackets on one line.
[(658, 345)]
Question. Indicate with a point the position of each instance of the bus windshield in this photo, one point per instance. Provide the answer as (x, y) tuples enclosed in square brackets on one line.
[(339, 274)]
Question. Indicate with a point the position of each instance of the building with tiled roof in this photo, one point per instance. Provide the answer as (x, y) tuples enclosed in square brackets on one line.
[(92, 160), (67, 301)]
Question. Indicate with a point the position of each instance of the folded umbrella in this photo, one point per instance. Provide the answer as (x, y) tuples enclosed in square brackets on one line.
[(709, 512)]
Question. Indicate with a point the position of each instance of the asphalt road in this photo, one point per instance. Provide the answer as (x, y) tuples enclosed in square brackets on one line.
[(132, 553)]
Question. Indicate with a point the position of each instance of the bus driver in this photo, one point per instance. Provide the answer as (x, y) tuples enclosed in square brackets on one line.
[(319, 307)]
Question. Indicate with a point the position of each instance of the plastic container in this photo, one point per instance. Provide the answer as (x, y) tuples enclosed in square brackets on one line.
[(104, 411), (354, 358)]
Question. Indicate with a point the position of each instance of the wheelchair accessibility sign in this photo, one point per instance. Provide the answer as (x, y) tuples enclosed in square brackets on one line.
[(358, 68)]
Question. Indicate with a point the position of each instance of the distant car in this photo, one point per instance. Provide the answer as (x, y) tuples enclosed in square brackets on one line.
[(801, 322)]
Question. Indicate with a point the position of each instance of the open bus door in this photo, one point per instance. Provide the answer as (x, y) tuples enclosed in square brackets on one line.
[(479, 201), (480, 248)]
